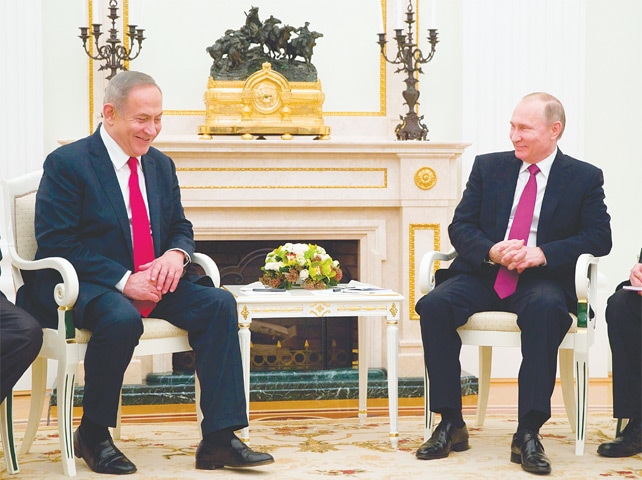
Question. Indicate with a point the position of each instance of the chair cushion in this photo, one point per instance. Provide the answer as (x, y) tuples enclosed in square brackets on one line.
[(500, 322), (153, 328)]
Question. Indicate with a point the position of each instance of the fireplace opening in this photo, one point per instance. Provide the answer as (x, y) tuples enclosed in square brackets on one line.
[(286, 344)]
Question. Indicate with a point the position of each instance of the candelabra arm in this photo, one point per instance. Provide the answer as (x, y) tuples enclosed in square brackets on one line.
[(398, 59), (128, 54)]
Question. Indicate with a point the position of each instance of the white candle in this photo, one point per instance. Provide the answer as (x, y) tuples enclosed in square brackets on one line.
[(95, 14), (398, 20), (433, 14)]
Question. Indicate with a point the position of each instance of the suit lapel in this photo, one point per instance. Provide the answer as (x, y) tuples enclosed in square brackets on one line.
[(555, 186), (153, 199), (506, 175), (106, 176)]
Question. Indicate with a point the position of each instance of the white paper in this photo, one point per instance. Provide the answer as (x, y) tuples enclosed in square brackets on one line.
[(365, 289), (632, 288), (257, 288)]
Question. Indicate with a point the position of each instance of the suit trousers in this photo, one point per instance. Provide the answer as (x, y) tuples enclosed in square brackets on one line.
[(207, 313), (623, 318), (20, 342), (542, 316)]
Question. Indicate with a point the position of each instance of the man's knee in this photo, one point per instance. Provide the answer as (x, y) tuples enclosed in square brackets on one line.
[(616, 304), (34, 335), (119, 327)]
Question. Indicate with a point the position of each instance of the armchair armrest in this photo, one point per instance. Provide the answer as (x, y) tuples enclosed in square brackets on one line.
[(210, 267), (427, 268), (585, 287), (66, 292)]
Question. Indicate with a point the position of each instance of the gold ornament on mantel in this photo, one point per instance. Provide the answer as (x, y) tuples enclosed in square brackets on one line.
[(425, 178), (264, 104)]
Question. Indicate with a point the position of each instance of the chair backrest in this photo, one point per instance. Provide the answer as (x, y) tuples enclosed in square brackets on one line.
[(20, 206)]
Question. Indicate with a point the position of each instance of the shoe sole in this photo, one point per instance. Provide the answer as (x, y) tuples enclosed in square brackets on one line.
[(457, 447), (203, 465), (517, 458)]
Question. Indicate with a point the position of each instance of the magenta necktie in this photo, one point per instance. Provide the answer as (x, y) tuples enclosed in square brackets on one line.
[(506, 281), (141, 233)]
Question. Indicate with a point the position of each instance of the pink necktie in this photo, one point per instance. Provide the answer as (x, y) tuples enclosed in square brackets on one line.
[(506, 281), (142, 237)]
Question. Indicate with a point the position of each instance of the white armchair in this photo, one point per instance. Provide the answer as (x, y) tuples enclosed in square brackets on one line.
[(66, 344), (499, 329)]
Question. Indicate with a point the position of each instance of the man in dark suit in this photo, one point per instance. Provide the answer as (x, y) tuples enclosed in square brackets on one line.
[(20, 342), (624, 321), (85, 214), (567, 217)]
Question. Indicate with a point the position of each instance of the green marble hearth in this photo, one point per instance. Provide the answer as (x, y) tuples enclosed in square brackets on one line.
[(339, 384)]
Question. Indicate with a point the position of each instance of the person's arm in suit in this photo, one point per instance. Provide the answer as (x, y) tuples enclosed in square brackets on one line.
[(71, 217), (474, 230), (172, 232), (579, 222)]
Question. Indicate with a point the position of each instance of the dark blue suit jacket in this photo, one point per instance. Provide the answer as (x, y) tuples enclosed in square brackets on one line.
[(573, 219), (81, 216)]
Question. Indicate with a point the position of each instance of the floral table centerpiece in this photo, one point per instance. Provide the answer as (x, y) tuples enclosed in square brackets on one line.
[(300, 264)]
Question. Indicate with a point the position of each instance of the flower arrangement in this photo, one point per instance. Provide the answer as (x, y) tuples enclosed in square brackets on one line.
[(300, 263)]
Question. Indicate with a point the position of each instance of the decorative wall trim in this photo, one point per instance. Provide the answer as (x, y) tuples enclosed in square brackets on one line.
[(412, 273), (265, 180)]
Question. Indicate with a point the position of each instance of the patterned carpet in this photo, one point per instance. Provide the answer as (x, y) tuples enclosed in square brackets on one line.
[(343, 448)]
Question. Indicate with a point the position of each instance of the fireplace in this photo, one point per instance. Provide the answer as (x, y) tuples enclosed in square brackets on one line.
[(392, 199), (286, 344)]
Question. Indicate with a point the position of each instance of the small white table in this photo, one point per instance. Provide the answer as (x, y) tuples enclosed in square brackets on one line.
[(326, 303)]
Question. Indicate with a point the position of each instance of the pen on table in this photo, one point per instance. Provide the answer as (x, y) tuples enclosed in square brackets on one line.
[(268, 290)]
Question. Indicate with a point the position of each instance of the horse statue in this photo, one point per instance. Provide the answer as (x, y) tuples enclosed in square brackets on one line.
[(228, 51), (276, 40), (253, 26), (303, 45)]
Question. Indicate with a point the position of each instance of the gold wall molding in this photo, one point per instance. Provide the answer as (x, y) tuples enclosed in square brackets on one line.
[(382, 171), (412, 273)]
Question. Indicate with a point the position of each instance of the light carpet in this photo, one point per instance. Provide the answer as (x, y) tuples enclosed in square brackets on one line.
[(345, 448)]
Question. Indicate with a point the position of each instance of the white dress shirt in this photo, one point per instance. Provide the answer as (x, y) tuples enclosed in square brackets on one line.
[(542, 178)]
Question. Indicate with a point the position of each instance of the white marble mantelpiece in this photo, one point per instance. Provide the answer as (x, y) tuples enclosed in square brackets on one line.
[(395, 197)]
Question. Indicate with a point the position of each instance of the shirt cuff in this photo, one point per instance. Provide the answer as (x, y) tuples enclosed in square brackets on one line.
[(120, 286)]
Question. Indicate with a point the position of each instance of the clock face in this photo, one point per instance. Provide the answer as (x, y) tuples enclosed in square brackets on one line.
[(266, 98)]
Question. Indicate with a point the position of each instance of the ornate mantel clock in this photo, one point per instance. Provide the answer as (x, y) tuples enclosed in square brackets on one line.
[(262, 82)]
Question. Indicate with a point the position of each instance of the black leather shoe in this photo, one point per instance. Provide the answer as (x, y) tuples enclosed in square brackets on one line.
[(103, 457), (529, 451), (445, 437), (237, 454), (628, 443)]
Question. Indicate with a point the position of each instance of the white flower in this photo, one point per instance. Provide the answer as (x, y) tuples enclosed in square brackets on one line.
[(298, 248), (303, 274), (273, 266)]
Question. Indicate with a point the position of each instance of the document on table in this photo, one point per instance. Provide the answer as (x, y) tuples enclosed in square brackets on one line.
[(257, 288), (355, 287)]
